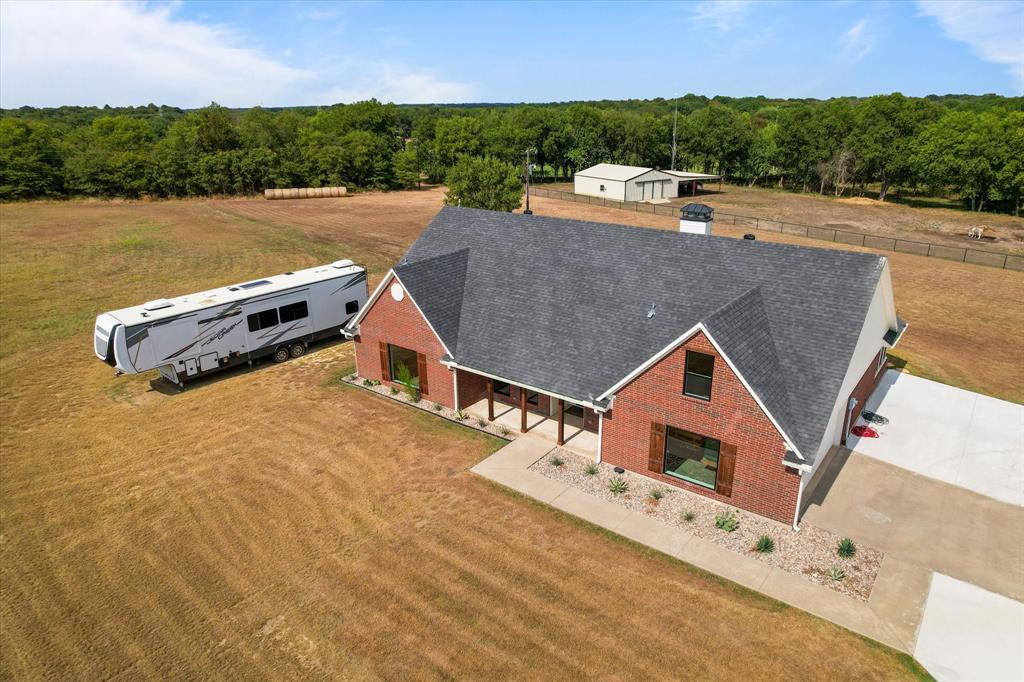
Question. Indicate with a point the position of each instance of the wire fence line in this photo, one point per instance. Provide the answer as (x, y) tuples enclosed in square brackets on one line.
[(830, 234)]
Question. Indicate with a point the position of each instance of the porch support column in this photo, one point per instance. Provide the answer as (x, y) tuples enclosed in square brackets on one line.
[(522, 410), (561, 422), (490, 400)]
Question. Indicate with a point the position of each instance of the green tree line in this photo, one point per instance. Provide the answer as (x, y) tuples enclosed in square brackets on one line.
[(965, 147)]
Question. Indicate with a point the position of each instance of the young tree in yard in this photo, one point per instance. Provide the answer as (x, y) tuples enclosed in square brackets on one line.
[(484, 182)]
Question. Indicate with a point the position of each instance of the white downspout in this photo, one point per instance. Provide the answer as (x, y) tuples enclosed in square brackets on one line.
[(600, 431), (799, 497), (455, 388)]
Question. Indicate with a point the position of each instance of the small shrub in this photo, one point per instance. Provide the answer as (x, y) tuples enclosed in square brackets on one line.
[(438, 406), (394, 391), (618, 485), (351, 377), (727, 521), (367, 382), (461, 416), (765, 545), (556, 461), (375, 382), (846, 548), (656, 493), (688, 516), (836, 573), (504, 431), (481, 422), (590, 469)]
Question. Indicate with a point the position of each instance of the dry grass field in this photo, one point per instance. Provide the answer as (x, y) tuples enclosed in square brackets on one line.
[(273, 523), (948, 226)]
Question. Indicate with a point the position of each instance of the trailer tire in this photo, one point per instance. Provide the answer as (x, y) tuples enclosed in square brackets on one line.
[(281, 354), (297, 350)]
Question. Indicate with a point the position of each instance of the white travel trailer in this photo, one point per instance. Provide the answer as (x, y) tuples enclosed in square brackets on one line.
[(192, 335)]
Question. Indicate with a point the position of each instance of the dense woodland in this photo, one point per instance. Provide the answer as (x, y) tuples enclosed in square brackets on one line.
[(970, 148)]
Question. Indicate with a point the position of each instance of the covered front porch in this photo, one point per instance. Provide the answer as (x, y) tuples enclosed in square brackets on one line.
[(563, 423)]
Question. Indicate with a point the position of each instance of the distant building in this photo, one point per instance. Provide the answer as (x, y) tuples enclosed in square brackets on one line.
[(636, 183)]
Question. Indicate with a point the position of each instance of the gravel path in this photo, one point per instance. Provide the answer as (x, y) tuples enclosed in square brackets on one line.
[(811, 552), (494, 429)]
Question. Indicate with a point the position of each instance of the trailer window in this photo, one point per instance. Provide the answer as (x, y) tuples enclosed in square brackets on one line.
[(294, 311), (263, 320), (351, 307)]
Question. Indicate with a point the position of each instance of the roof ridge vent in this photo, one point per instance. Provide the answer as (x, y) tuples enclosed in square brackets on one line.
[(653, 309)]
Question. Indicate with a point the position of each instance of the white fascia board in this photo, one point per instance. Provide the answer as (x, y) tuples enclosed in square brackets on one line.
[(376, 294), (373, 299), (420, 310), (495, 377), (699, 327)]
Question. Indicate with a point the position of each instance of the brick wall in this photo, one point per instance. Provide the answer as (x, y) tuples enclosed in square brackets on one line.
[(472, 388), (872, 375), (761, 483), (400, 323)]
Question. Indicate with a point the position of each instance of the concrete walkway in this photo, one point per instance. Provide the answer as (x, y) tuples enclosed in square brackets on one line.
[(891, 616)]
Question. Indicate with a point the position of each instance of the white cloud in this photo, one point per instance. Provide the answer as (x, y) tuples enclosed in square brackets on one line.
[(129, 53), (724, 15), (857, 41), (394, 82), (993, 30)]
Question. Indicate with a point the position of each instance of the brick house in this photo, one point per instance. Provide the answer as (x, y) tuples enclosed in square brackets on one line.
[(726, 367)]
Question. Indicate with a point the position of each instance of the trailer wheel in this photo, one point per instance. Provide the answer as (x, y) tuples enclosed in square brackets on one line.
[(281, 354), (298, 349)]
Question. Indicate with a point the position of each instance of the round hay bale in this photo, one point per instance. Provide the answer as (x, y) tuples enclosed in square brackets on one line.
[(267, 193)]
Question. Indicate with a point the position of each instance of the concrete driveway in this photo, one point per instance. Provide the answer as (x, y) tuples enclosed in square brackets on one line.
[(970, 544), (949, 434), (970, 634), (935, 525)]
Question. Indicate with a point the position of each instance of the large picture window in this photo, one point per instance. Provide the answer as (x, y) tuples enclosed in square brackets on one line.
[(691, 457), (404, 366), (700, 369)]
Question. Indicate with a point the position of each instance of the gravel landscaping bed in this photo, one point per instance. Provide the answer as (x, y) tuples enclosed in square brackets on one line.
[(434, 408), (811, 552)]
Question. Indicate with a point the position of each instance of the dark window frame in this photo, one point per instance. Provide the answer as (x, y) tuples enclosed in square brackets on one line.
[(293, 311), (414, 369), (261, 319), (692, 388), (502, 388), (664, 460)]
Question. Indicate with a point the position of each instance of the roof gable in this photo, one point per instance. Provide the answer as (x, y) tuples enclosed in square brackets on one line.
[(437, 285)]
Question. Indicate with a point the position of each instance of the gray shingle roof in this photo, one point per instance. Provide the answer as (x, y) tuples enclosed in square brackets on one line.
[(562, 305)]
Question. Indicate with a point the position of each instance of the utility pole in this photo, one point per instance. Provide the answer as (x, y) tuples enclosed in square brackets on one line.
[(675, 115), (528, 152)]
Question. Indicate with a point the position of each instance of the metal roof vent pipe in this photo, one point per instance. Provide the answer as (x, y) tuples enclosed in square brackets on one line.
[(696, 219)]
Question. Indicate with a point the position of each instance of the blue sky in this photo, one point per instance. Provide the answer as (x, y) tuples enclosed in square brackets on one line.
[(248, 53)]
